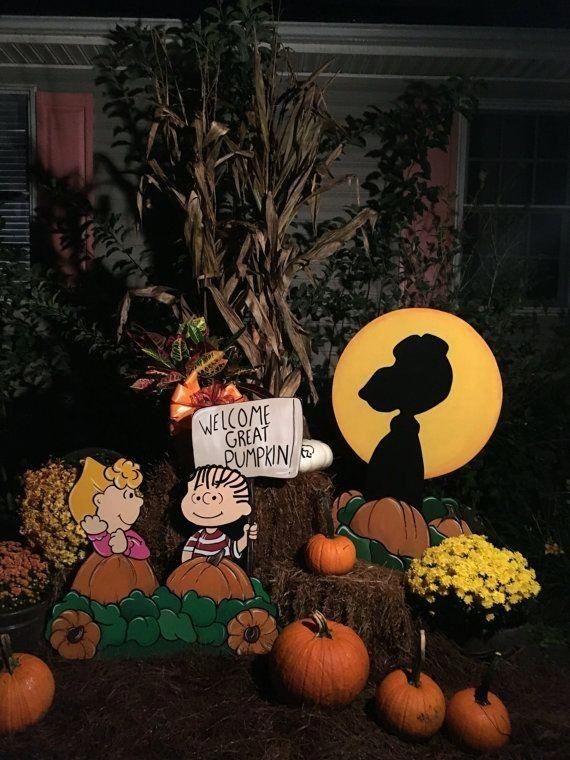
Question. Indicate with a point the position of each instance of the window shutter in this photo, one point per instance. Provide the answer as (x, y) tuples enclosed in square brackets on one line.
[(14, 174), (65, 152)]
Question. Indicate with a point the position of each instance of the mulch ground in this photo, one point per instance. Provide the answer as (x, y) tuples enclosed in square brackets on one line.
[(200, 705)]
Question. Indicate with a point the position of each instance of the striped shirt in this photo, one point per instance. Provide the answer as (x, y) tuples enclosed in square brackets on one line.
[(205, 544)]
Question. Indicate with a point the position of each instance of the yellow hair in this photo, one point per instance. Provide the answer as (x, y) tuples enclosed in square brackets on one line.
[(95, 479)]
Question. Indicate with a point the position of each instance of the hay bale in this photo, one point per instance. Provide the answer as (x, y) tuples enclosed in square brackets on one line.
[(370, 599), (288, 513)]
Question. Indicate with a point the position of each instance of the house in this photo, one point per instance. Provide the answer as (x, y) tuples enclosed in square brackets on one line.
[(509, 171)]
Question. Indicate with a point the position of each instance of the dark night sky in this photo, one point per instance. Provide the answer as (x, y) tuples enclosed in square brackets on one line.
[(539, 13)]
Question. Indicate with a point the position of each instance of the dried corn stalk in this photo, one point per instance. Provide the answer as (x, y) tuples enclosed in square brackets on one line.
[(265, 172)]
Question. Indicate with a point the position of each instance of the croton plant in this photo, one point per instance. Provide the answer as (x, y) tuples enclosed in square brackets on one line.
[(170, 359)]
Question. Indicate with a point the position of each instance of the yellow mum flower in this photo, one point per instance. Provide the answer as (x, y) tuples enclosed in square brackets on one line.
[(472, 569), (46, 521)]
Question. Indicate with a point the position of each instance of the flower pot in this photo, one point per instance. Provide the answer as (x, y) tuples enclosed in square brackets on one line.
[(506, 641), (25, 626)]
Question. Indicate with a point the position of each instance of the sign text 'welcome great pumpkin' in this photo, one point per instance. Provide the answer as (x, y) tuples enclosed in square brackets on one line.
[(258, 438)]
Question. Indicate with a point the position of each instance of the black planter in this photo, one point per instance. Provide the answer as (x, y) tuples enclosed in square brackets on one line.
[(26, 626)]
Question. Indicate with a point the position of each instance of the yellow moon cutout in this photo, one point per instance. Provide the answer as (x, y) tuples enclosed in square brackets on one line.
[(452, 432)]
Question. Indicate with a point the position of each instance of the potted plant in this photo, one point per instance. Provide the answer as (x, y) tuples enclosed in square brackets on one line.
[(46, 521), (472, 589), (24, 587)]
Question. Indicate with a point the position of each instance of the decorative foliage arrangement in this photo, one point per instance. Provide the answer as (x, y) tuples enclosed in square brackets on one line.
[(46, 520), (171, 359), (199, 370), (80, 627), (24, 577), (478, 579)]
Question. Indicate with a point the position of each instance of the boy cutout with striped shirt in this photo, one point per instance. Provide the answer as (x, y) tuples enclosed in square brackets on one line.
[(217, 506)]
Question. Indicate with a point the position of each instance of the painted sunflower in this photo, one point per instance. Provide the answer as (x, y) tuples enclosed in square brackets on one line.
[(75, 635), (252, 632)]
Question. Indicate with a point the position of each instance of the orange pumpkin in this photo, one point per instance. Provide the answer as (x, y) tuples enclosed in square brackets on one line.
[(27, 688), (330, 556), (397, 525), (477, 718), (317, 660), (110, 579), (216, 577), (75, 635), (450, 526), (410, 703)]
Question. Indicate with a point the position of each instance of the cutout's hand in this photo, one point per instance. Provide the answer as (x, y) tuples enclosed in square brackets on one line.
[(92, 524), (118, 542), (250, 531)]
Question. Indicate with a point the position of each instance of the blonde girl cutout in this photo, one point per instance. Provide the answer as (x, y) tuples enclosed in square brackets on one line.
[(95, 479)]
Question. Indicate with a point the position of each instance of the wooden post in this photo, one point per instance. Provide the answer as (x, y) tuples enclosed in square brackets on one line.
[(251, 544)]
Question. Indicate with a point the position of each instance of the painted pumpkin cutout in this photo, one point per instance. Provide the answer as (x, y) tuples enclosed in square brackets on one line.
[(395, 524), (215, 577), (108, 580), (391, 532)]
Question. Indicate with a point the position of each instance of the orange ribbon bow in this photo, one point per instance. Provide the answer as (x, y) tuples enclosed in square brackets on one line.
[(189, 396)]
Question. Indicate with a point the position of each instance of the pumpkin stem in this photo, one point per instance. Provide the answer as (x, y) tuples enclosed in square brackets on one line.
[(419, 660), (8, 660), (215, 559), (321, 622), (482, 691)]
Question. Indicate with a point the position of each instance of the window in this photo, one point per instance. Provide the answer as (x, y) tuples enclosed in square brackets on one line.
[(517, 210), (14, 170)]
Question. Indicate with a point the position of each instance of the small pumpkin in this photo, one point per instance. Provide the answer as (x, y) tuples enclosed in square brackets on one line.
[(318, 660), (477, 718), (315, 455), (75, 635), (330, 556), (216, 577), (27, 688), (395, 524), (410, 703), (109, 580), (252, 632), (450, 526)]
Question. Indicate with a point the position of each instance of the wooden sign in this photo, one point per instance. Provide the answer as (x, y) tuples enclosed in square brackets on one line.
[(258, 438)]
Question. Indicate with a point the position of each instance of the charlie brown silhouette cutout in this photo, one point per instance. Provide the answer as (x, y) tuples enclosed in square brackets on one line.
[(420, 379)]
